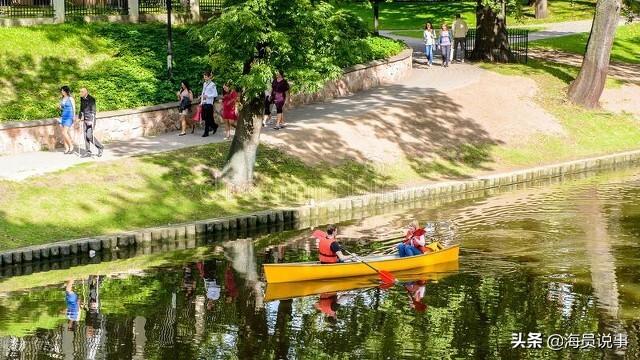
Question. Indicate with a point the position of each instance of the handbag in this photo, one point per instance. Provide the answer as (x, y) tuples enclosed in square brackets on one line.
[(197, 117)]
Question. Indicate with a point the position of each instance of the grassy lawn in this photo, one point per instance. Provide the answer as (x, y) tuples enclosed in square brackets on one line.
[(589, 132), (411, 16), (626, 47), (123, 65)]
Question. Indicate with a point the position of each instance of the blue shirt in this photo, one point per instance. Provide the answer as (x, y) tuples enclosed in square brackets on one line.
[(73, 306)]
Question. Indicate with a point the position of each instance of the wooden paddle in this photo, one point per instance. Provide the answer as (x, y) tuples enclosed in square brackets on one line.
[(386, 276)]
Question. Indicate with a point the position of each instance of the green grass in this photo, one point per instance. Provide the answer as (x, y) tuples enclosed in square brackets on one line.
[(412, 16), (123, 65), (626, 46)]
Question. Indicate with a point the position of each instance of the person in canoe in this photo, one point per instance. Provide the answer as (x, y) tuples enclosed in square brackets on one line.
[(414, 241), (329, 250)]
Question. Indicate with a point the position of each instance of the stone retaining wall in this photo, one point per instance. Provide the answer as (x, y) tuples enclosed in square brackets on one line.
[(19, 137), (302, 217)]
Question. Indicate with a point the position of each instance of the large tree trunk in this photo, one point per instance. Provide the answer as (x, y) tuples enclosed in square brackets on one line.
[(586, 89), (541, 9), (492, 41), (238, 170)]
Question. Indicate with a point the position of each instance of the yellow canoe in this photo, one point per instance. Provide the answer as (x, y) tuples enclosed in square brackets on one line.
[(304, 271), (290, 290)]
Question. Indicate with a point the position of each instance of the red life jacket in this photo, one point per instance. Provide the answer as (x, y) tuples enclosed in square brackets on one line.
[(415, 234), (325, 255), (325, 304)]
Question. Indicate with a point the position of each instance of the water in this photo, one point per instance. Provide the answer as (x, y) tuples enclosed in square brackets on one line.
[(559, 259)]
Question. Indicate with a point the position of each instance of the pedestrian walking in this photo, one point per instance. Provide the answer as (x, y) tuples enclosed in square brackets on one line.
[(67, 108), (429, 37), (87, 114), (444, 41), (460, 29), (267, 106), (185, 96), (229, 109), (279, 91), (209, 95)]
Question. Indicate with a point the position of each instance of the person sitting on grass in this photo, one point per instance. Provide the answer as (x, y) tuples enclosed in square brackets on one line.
[(329, 250)]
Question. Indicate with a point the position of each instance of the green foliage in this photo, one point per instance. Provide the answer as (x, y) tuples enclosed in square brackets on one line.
[(124, 66), (311, 43)]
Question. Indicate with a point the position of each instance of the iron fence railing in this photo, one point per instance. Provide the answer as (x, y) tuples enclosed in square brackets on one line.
[(96, 7), (160, 6), (518, 44), (26, 8), (211, 6)]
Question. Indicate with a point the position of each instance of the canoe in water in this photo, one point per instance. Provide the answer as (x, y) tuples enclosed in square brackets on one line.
[(303, 271), (290, 290)]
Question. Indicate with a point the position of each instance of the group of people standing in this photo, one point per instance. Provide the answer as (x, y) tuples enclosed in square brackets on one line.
[(444, 40), (275, 97)]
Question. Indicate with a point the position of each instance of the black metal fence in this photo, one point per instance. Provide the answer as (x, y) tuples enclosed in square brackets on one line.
[(26, 8), (160, 6), (96, 7), (518, 44), (211, 6)]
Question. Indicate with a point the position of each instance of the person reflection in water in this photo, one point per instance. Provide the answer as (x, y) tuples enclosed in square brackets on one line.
[(416, 290), (208, 274), (93, 317), (73, 306), (328, 305), (231, 288), (188, 282)]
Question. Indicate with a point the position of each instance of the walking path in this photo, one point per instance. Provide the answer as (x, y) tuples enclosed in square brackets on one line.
[(21, 166)]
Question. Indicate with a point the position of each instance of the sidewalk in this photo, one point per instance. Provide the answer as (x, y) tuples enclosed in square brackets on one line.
[(305, 119)]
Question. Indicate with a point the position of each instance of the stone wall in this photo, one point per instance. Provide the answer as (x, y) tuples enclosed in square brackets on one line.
[(19, 137)]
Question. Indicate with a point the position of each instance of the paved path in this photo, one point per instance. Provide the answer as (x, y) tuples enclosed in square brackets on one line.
[(419, 82)]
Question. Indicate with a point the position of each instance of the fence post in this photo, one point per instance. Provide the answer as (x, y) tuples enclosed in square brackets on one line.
[(58, 11), (134, 11), (194, 7)]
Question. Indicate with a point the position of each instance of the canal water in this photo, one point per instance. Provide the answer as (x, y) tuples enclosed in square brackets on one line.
[(544, 272)]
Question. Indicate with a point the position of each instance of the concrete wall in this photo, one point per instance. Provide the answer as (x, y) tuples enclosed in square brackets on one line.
[(170, 237), (19, 137)]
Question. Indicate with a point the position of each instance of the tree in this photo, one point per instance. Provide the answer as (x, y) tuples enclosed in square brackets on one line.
[(586, 89), (309, 42), (541, 9), (492, 41)]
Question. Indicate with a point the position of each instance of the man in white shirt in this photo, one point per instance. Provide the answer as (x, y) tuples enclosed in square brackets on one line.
[(460, 29), (208, 97)]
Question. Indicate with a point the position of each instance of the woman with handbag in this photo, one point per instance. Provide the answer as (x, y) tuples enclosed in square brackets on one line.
[(229, 109), (185, 95)]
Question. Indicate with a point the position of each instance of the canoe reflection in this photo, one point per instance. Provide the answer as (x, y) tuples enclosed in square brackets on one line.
[(280, 291)]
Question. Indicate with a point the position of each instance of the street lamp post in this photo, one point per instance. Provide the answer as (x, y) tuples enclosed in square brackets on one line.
[(376, 10), (169, 42)]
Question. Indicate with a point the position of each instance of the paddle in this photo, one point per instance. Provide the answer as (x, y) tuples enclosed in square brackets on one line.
[(385, 276)]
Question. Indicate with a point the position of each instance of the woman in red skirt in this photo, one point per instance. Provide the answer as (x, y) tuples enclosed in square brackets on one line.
[(229, 109)]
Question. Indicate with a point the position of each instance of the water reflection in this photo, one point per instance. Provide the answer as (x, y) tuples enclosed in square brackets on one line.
[(549, 260)]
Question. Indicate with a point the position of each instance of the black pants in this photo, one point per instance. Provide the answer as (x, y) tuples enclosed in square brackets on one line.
[(456, 54), (207, 116), (89, 138)]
